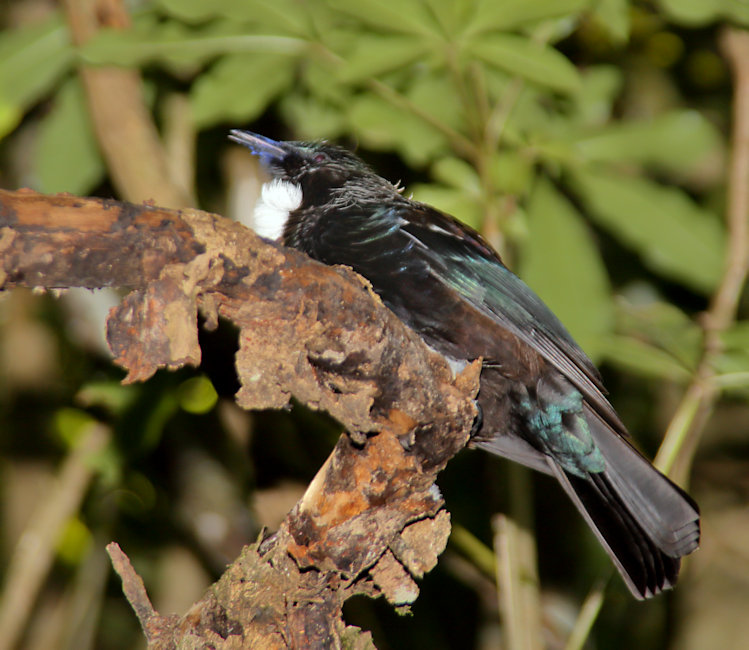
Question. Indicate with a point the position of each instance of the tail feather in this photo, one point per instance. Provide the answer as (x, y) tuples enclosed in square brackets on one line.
[(645, 568), (643, 520), (664, 511)]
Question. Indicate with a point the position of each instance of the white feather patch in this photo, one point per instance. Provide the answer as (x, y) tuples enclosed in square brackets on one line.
[(278, 199)]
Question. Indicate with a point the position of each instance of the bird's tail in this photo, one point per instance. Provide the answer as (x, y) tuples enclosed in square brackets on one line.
[(645, 522)]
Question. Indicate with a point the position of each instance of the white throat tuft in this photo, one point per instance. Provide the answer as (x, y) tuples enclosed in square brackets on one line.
[(278, 199)]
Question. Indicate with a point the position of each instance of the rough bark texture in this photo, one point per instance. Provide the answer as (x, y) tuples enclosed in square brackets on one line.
[(372, 520)]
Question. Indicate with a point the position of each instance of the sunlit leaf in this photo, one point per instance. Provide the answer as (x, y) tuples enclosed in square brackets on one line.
[(410, 16), (673, 235), (380, 125), (562, 264), (676, 141), (312, 119), (643, 359), (282, 16), (664, 326), (435, 95), (456, 202), (701, 12), (66, 156), (180, 46), (511, 172), (197, 395), (74, 542), (520, 56), (457, 173), (613, 15), (216, 96), (32, 60), (71, 424), (598, 91), (510, 14), (375, 54)]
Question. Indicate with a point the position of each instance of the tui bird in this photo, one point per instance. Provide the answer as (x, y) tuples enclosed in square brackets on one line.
[(541, 399)]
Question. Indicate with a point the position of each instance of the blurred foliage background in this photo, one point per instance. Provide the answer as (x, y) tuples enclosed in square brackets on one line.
[(589, 140)]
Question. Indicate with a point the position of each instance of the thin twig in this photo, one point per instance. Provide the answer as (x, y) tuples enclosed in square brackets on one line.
[(132, 586), (688, 422), (683, 434)]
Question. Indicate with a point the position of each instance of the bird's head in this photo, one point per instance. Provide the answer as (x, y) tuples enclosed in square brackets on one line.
[(306, 177), (310, 165)]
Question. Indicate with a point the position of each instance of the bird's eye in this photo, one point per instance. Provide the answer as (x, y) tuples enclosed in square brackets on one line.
[(320, 157)]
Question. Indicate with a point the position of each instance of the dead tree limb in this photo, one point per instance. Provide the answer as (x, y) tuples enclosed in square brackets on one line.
[(372, 520)]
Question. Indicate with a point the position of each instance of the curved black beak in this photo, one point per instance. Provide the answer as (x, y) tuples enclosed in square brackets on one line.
[(266, 149)]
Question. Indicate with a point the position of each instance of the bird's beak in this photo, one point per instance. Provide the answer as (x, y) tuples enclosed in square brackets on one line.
[(266, 149)]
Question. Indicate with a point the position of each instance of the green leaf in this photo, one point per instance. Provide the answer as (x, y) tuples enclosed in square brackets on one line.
[(562, 264), (636, 356), (216, 97), (613, 15), (410, 16), (673, 235), (435, 95), (701, 12), (662, 325), (180, 46), (32, 60), (520, 56), (66, 157), (380, 125), (279, 15), (737, 336), (71, 425), (675, 141), (312, 118), (74, 542), (511, 172), (510, 14), (457, 173), (600, 87), (375, 54), (456, 202), (197, 395)]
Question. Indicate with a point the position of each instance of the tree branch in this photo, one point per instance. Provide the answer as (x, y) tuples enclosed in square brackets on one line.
[(372, 520)]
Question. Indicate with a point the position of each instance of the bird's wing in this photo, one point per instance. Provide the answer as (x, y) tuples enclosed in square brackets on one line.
[(459, 258), (391, 245)]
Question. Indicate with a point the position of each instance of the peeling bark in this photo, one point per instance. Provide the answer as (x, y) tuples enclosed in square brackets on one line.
[(372, 520)]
